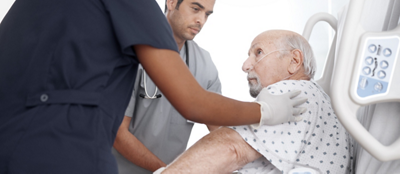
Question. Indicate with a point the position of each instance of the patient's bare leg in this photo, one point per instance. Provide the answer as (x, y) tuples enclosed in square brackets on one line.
[(221, 151)]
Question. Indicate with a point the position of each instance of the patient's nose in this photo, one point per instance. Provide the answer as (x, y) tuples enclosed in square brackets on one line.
[(247, 65)]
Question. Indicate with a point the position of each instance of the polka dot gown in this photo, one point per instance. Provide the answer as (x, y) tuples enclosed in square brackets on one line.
[(318, 142)]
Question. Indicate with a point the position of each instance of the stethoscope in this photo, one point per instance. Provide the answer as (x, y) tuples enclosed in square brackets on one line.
[(155, 95)]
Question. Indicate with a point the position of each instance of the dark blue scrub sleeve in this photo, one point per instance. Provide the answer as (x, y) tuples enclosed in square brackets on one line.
[(144, 26)]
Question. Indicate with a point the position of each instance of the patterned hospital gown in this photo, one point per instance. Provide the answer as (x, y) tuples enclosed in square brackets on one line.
[(318, 142)]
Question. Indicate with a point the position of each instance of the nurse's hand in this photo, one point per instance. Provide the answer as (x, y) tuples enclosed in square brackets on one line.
[(277, 109)]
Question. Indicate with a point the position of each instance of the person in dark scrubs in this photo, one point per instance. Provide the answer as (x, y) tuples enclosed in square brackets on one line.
[(67, 69)]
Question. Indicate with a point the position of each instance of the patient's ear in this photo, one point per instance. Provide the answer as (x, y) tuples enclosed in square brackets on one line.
[(296, 61)]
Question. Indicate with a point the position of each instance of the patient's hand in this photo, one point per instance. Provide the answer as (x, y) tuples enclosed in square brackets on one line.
[(221, 151)]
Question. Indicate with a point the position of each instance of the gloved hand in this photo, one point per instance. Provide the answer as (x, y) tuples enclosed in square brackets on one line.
[(277, 109)]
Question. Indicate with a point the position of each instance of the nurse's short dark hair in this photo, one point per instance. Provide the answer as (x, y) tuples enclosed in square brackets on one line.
[(177, 5)]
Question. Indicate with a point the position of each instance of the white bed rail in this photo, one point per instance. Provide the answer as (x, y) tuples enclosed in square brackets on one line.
[(325, 80), (367, 71)]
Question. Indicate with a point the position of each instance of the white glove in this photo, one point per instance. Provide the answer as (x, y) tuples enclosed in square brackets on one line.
[(277, 109), (158, 171)]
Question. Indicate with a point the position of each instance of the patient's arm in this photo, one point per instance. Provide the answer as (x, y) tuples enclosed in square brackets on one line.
[(221, 151)]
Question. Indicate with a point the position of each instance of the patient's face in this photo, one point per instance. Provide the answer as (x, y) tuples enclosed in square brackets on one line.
[(271, 67)]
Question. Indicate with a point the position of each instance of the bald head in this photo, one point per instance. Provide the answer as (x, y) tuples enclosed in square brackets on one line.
[(277, 37), (277, 55)]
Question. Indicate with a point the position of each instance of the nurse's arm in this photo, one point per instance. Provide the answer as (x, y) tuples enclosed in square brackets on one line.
[(134, 150), (173, 78), (221, 151)]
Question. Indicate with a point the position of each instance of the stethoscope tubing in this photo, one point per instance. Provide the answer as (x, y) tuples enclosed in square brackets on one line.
[(155, 95)]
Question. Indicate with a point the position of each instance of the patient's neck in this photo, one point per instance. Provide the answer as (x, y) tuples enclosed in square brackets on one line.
[(300, 75)]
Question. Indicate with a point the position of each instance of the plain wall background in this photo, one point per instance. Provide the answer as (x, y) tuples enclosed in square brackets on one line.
[(228, 33)]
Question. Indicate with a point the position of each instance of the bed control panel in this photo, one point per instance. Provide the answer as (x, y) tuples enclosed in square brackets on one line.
[(377, 65)]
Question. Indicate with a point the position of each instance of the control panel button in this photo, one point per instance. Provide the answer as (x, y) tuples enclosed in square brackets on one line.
[(381, 74), (369, 60), (384, 64), (378, 86), (363, 83), (372, 48), (367, 70), (387, 52)]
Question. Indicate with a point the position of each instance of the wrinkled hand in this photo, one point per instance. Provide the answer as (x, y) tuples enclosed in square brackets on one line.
[(277, 109)]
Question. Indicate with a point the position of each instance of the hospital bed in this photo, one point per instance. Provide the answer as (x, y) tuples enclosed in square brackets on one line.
[(362, 76)]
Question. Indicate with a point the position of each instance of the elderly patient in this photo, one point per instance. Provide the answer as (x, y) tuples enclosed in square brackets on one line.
[(280, 61)]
